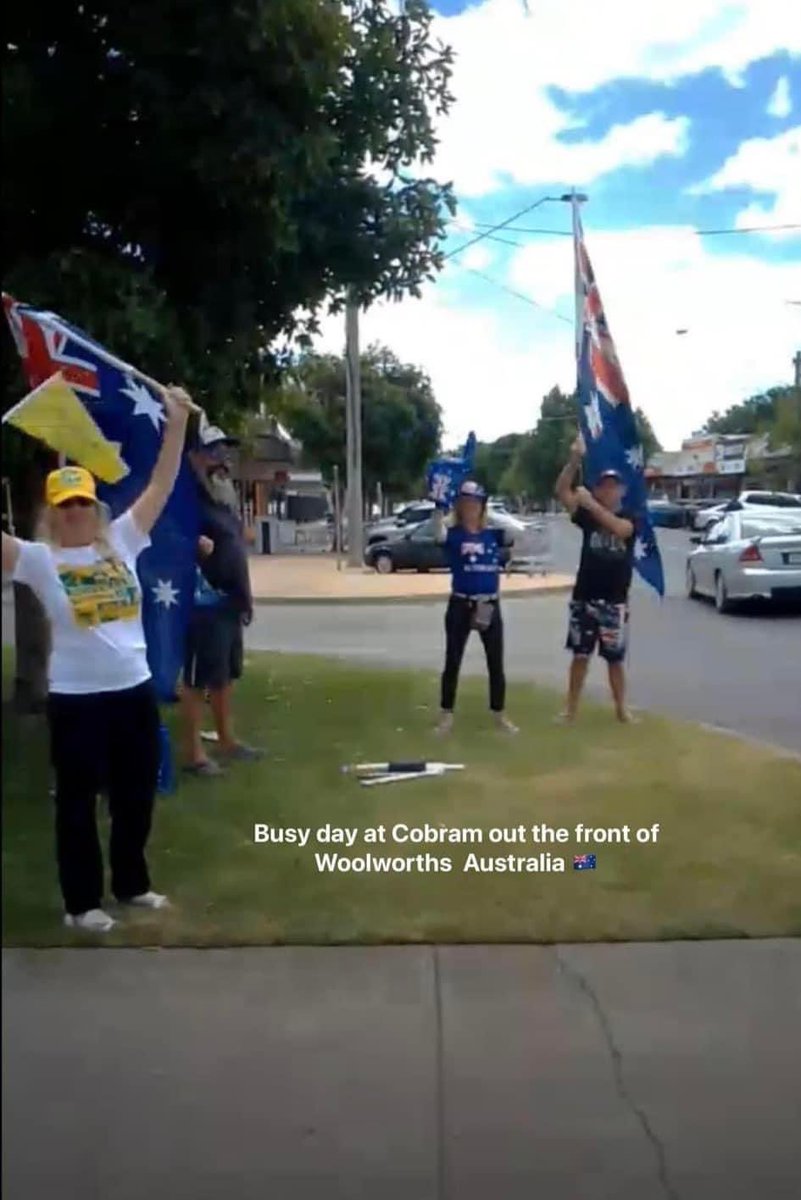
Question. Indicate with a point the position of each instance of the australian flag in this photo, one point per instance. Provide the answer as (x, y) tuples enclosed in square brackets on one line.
[(445, 475), (606, 418), (130, 414), (584, 862)]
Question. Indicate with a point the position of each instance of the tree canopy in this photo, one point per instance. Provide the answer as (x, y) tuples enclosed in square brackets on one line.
[(775, 412), (493, 460), (527, 464), (185, 179), (401, 421), (757, 414)]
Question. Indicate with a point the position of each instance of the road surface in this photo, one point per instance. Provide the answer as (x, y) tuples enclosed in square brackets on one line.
[(740, 672)]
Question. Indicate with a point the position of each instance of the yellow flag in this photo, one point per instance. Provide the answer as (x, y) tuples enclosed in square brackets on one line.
[(54, 414)]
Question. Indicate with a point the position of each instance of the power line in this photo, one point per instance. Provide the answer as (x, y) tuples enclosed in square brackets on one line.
[(494, 238), (501, 225), (520, 296), (518, 229), (699, 232)]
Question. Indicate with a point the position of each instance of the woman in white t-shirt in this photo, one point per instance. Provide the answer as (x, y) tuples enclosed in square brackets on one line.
[(102, 709)]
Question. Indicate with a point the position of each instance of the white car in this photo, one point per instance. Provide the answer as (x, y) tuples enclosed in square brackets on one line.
[(746, 555), (746, 500)]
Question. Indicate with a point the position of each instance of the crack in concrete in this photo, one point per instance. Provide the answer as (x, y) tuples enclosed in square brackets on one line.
[(442, 1181), (573, 974)]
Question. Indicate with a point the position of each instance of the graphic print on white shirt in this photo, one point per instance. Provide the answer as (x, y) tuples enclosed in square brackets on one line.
[(104, 591)]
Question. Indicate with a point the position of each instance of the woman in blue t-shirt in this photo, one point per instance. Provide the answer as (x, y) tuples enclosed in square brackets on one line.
[(473, 551)]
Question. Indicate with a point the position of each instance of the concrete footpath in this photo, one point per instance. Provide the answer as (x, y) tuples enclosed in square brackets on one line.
[(314, 579), (624, 1072)]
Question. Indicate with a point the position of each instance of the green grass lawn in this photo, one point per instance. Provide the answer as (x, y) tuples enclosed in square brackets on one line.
[(727, 862)]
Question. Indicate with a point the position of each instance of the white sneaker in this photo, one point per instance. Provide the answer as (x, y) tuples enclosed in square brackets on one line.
[(445, 724), (93, 921), (505, 725), (149, 900)]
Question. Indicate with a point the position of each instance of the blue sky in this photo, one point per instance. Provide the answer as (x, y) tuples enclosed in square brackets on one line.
[(691, 121)]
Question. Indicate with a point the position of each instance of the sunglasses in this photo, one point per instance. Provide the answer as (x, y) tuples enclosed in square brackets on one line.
[(76, 502)]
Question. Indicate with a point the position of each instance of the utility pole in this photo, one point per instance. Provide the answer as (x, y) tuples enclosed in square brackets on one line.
[(797, 365), (337, 518), (353, 417)]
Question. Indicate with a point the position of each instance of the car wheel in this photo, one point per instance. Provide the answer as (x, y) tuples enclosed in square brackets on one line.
[(692, 590), (722, 602), (383, 564)]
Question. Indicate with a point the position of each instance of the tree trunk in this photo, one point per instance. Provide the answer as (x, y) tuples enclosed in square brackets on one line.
[(31, 652), (31, 630)]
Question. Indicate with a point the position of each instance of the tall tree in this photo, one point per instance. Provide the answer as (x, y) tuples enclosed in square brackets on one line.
[(649, 441), (401, 421), (786, 432), (493, 460), (757, 414), (250, 161), (542, 453)]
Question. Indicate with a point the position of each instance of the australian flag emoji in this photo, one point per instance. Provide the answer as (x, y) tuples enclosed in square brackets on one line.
[(583, 862)]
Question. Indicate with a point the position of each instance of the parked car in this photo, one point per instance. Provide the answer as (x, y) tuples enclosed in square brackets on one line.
[(745, 555), (667, 513), (413, 550), (402, 520), (694, 507), (746, 501)]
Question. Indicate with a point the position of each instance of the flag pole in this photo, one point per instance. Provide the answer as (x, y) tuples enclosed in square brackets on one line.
[(575, 200)]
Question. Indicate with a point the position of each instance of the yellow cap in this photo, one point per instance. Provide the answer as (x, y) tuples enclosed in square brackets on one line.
[(69, 483)]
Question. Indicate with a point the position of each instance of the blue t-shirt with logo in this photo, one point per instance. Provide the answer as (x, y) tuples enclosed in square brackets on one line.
[(474, 560)]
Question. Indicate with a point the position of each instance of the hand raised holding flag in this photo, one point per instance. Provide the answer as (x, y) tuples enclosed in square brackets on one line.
[(445, 475), (146, 424), (148, 508)]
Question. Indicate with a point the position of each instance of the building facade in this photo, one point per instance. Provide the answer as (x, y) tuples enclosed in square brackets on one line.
[(718, 466), (272, 482)]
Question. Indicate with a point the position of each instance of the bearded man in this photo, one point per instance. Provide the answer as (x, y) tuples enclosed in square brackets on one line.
[(223, 604)]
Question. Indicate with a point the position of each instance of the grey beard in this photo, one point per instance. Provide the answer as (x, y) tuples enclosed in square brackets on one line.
[(221, 489)]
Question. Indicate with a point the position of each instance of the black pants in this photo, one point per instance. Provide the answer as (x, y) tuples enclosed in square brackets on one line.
[(103, 741), (458, 621)]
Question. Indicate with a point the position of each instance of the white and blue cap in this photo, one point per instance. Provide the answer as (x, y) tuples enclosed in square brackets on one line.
[(472, 489)]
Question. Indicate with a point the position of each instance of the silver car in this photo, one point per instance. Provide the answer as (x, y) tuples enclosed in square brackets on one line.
[(746, 555), (705, 517)]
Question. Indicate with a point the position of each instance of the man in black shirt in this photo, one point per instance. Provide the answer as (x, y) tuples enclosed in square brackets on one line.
[(599, 611), (223, 604)]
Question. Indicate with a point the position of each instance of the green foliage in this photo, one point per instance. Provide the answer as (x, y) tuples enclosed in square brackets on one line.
[(758, 414), (542, 453), (401, 421), (208, 171), (775, 412), (493, 460), (786, 431), (648, 440)]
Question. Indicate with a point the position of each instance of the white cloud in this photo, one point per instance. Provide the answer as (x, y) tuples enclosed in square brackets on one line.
[(484, 378), (491, 371), (768, 165), (477, 258), (781, 104), (504, 125), (741, 334), (491, 358)]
